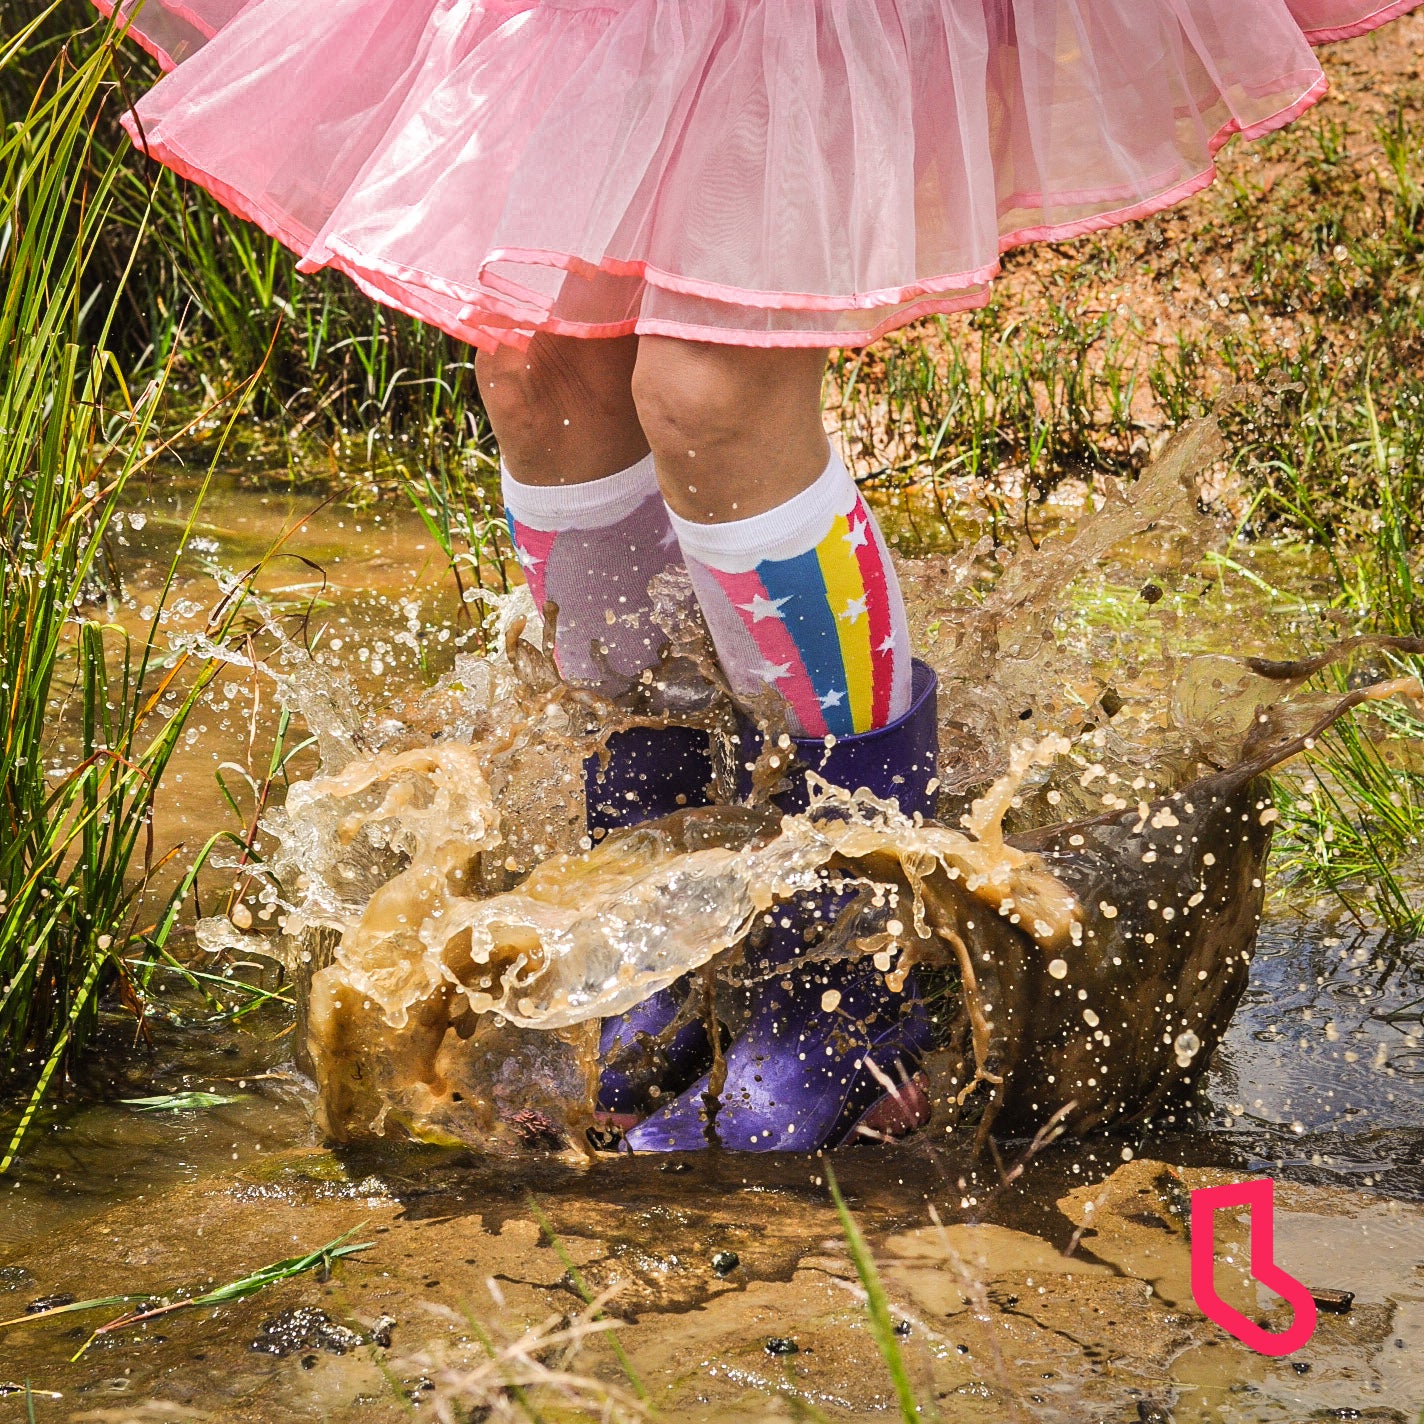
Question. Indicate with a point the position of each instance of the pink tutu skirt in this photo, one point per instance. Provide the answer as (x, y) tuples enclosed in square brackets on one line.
[(761, 172)]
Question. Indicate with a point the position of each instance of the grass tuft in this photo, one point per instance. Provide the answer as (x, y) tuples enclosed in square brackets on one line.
[(877, 1304)]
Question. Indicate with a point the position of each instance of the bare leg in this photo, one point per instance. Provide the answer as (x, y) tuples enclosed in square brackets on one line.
[(563, 410), (793, 576), (735, 430)]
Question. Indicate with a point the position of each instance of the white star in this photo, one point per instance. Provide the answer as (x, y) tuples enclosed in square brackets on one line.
[(668, 539), (527, 560), (831, 699), (774, 672), (888, 646), (854, 610), (858, 535), (761, 608)]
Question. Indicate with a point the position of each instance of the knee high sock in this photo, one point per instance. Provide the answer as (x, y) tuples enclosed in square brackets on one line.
[(804, 599), (592, 550)]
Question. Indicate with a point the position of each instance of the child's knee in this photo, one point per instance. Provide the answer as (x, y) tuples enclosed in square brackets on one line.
[(689, 396), (559, 389)]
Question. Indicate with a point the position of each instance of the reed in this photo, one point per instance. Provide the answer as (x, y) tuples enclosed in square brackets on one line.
[(91, 712)]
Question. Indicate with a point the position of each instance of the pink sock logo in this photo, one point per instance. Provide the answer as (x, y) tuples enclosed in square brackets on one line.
[(1260, 1197)]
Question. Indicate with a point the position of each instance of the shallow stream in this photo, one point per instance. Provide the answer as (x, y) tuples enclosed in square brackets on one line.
[(1061, 1295)]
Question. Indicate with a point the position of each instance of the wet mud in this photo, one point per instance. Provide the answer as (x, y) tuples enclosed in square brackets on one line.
[(1067, 1302)]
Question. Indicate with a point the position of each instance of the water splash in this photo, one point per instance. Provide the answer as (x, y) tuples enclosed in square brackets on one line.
[(463, 938)]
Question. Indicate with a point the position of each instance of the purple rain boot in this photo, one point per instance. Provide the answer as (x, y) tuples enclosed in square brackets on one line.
[(651, 772), (797, 1079)]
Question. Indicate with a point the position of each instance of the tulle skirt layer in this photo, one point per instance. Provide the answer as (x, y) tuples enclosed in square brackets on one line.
[(762, 172)]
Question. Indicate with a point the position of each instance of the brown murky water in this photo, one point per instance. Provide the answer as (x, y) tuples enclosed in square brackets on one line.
[(1063, 1296)]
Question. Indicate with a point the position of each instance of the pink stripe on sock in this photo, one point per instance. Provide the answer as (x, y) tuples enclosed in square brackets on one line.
[(776, 645), (535, 546), (877, 607)]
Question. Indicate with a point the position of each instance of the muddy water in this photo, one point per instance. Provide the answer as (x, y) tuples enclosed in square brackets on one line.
[(1313, 1084)]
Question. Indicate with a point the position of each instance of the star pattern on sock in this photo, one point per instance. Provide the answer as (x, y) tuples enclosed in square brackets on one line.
[(774, 672), (761, 608), (888, 646), (858, 536), (831, 699), (854, 610), (527, 560)]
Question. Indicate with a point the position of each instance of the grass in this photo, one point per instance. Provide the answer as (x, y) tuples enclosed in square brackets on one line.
[(93, 713), (1353, 817), (877, 1306), (577, 1281)]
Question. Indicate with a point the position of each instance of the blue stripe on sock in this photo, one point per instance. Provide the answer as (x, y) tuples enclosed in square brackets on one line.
[(811, 623)]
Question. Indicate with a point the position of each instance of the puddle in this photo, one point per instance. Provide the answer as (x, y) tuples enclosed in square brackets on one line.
[(1313, 1082)]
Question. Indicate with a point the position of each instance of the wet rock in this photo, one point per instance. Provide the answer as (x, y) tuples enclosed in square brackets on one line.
[(305, 1328), (381, 1331), (49, 1302), (725, 1262), (14, 1277), (780, 1345), (1337, 1302)]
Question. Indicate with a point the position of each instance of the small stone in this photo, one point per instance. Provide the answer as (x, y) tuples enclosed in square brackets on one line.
[(725, 1262), (381, 1331), (780, 1345), (1337, 1302), (1152, 593), (49, 1302), (305, 1328)]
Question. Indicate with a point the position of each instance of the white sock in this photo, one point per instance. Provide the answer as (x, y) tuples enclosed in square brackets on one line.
[(592, 549), (804, 598)]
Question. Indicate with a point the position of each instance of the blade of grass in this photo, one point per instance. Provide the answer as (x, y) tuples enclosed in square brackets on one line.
[(624, 1363), (877, 1305)]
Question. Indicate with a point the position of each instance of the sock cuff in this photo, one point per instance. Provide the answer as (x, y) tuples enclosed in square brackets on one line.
[(789, 530), (595, 504)]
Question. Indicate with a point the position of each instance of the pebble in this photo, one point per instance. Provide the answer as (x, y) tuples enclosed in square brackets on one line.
[(305, 1328)]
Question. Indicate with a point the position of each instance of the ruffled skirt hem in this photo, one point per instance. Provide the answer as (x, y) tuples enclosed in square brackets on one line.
[(445, 196)]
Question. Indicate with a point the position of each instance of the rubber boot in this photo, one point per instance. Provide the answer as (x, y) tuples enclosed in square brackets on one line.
[(799, 1077), (650, 772)]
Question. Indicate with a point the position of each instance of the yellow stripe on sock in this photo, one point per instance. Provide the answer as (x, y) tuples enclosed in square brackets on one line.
[(846, 589)]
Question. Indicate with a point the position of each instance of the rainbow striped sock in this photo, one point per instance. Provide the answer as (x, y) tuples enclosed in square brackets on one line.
[(804, 599), (592, 549)]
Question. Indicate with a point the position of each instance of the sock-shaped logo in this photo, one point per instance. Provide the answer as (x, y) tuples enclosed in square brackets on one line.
[(1260, 1197)]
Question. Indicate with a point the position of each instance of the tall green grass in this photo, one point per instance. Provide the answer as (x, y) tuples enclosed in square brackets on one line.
[(91, 713), (1353, 821)]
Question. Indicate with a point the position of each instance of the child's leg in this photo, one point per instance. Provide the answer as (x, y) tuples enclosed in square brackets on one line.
[(592, 530), (800, 595), (788, 562), (582, 499)]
